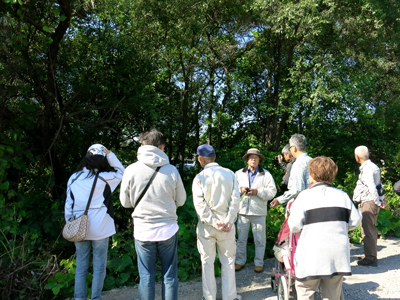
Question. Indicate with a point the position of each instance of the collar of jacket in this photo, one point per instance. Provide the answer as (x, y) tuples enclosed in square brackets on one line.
[(319, 183), (260, 169), (365, 163), (210, 165)]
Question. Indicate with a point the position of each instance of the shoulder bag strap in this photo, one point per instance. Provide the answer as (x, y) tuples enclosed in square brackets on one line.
[(147, 186), (91, 193)]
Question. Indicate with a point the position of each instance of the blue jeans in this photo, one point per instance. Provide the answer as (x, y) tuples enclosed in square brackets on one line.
[(147, 253), (100, 248)]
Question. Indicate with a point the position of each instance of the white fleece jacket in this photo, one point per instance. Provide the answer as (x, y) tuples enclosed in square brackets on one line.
[(101, 221), (158, 206)]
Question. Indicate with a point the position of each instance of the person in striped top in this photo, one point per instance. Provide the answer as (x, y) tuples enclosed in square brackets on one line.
[(324, 215)]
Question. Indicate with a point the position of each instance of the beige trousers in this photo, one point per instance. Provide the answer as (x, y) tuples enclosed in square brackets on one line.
[(258, 226), (208, 241), (330, 289)]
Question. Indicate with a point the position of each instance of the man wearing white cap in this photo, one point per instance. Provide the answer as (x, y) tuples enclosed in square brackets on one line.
[(257, 187), (216, 200)]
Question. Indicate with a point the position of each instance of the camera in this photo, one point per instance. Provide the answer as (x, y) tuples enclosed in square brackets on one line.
[(381, 191), (275, 157)]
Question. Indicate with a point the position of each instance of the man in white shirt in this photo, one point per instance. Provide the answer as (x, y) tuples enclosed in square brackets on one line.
[(216, 200), (298, 180), (370, 202)]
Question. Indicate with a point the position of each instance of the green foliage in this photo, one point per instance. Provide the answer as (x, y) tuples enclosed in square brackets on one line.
[(25, 254), (275, 219), (63, 282), (389, 218), (355, 235), (122, 264), (189, 258)]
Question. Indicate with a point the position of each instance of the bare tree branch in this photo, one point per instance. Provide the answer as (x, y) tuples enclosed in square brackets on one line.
[(89, 109)]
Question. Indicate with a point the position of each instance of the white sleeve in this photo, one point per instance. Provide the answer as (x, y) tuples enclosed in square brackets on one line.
[(268, 190), (294, 184), (180, 191), (355, 216), (297, 216), (234, 203), (68, 212), (125, 190), (113, 178), (202, 209), (369, 180)]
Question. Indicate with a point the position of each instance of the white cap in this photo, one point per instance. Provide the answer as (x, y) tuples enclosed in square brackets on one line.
[(97, 149)]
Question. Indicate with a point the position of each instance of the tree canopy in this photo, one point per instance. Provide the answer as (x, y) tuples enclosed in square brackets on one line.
[(235, 74)]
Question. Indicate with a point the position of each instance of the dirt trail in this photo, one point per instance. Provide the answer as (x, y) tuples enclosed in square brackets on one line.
[(366, 283)]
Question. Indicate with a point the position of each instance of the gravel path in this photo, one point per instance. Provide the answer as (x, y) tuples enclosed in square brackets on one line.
[(366, 283)]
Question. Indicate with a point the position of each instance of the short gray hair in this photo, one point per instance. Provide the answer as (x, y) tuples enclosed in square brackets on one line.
[(209, 159), (299, 141), (362, 152), (206, 159), (286, 149)]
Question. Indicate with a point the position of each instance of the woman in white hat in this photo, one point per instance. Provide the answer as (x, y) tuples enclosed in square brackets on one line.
[(99, 160)]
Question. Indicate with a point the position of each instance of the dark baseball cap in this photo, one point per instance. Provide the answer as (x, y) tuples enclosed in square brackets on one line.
[(205, 150)]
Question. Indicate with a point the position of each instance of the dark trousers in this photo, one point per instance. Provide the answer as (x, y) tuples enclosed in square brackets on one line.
[(369, 211)]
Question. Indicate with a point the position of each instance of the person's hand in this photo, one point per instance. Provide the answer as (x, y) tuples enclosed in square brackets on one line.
[(106, 151), (280, 158), (274, 202), (243, 189), (252, 192), (383, 204), (219, 226), (228, 227), (224, 227)]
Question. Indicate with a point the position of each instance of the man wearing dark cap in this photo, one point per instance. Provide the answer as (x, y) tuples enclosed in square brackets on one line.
[(256, 186), (216, 200)]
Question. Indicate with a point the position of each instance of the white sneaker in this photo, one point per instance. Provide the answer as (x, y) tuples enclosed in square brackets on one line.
[(238, 297)]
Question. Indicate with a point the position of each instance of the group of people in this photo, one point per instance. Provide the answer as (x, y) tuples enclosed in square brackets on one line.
[(153, 189)]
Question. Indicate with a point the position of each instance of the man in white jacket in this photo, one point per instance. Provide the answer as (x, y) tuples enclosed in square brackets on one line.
[(257, 187), (216, 200), (154, 218), (298, 180)]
